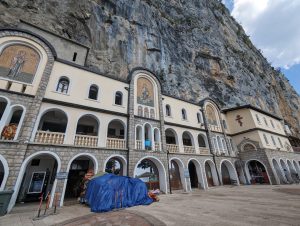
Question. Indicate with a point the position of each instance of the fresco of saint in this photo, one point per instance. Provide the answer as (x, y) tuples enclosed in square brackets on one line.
[(19, 62), (145, 94)]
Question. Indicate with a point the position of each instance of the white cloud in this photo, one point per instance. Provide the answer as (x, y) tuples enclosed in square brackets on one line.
[(274, 27)]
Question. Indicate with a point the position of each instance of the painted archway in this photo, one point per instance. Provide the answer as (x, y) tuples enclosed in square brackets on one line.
[(257, 172), (228, 173), (22, 173), (211, 173), (149, 174)]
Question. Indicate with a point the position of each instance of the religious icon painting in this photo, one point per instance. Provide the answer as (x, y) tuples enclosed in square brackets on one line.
[(19, 62), (145, 94)]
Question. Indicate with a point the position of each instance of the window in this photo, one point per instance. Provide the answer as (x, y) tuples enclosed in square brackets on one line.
[(146, 112), (266, 122), (140, 111), (273, 140), (257, 118), (183, 112), (168, 110), (93, 92), (74, 56), (119, 98), (272, 124), (280, 142), (199, 117), (63, 85), (224, 124), (266, 139)]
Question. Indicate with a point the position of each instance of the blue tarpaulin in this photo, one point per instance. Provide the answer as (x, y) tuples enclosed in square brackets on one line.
[(109, 192)]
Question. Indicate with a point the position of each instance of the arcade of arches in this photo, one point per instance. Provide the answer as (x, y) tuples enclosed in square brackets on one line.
[(148, 172)]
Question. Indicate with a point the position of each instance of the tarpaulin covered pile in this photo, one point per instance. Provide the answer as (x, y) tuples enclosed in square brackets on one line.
[(109, 192)]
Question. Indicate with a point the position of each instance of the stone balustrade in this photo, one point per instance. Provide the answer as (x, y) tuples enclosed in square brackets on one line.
[(114, 143), (189, 149), (139, 144), (172, 148), (46, 137), (85, 140)]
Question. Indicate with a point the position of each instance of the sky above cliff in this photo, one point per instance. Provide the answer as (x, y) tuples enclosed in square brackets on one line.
[(274, 27)]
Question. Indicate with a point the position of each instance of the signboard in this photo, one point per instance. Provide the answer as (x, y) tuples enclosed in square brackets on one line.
[(62, 175), (186, 173)]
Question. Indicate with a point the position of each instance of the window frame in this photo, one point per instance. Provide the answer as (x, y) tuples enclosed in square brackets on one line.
[(115, 96), (58, 84)]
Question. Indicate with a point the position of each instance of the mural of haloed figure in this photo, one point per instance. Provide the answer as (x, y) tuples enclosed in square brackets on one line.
[(19, 62), (145, 95)]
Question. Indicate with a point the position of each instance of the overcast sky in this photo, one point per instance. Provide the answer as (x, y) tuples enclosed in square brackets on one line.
[(274, 27)]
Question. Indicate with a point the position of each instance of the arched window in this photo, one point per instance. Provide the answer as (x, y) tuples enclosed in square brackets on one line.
[(219, 143), (93, 92), (257, 118), (183, 112), (11, 128), (152, 113), (201, 140), (199, 117), (3, 105), (224, 145), (273, 140), (266, 139), (280, 142), (63, 85), (119, 98), (140, 111), (272, 124), (168, 110), (266, 121), (146, 112)]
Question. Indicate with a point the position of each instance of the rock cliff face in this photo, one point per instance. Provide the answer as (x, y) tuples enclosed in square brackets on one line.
[(195, 47)]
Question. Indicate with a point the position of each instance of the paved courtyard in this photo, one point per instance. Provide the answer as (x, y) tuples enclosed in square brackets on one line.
[(244, 205)]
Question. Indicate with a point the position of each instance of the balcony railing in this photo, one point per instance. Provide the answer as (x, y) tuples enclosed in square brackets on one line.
[(139, 144), (172, 148), (215, 128), (204, 151), (85, 140), (189, 149), (157, 146), (114, 143), (49, 137)]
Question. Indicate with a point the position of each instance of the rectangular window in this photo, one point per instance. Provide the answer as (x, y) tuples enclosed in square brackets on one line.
[(74, 56)]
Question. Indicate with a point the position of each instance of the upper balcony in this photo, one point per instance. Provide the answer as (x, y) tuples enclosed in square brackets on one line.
[(53, 129), (147, 138)]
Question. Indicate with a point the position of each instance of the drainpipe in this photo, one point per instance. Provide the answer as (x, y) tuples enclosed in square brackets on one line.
[(209, 143)]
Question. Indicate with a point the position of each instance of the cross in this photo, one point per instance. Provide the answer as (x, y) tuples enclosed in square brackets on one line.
[(239, 120)]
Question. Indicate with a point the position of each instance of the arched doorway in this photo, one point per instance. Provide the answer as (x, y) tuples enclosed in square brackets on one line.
[(116, 165), (193, 175), (78, 169), (211, 173), (257, 172), (279, 173), (152, 172), (148, 172), (293, 171), (296, 167), (3, 172), (229, 175), (286, 171), (38, 178), (175, 175)]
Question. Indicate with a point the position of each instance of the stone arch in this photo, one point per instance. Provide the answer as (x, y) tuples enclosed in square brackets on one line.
[(202, 140), (5, 168), (181, 171), (22, 172), (187, 135), (293, 171), (286, 171), (16, 115), (266, 176), (232, 174), (199, 174), (121, 126), (281, 179), (121, 158), (296, 167), (211, 173), (95, 166), (240, 172), (169, 132), (161, 171), (4, 108)]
